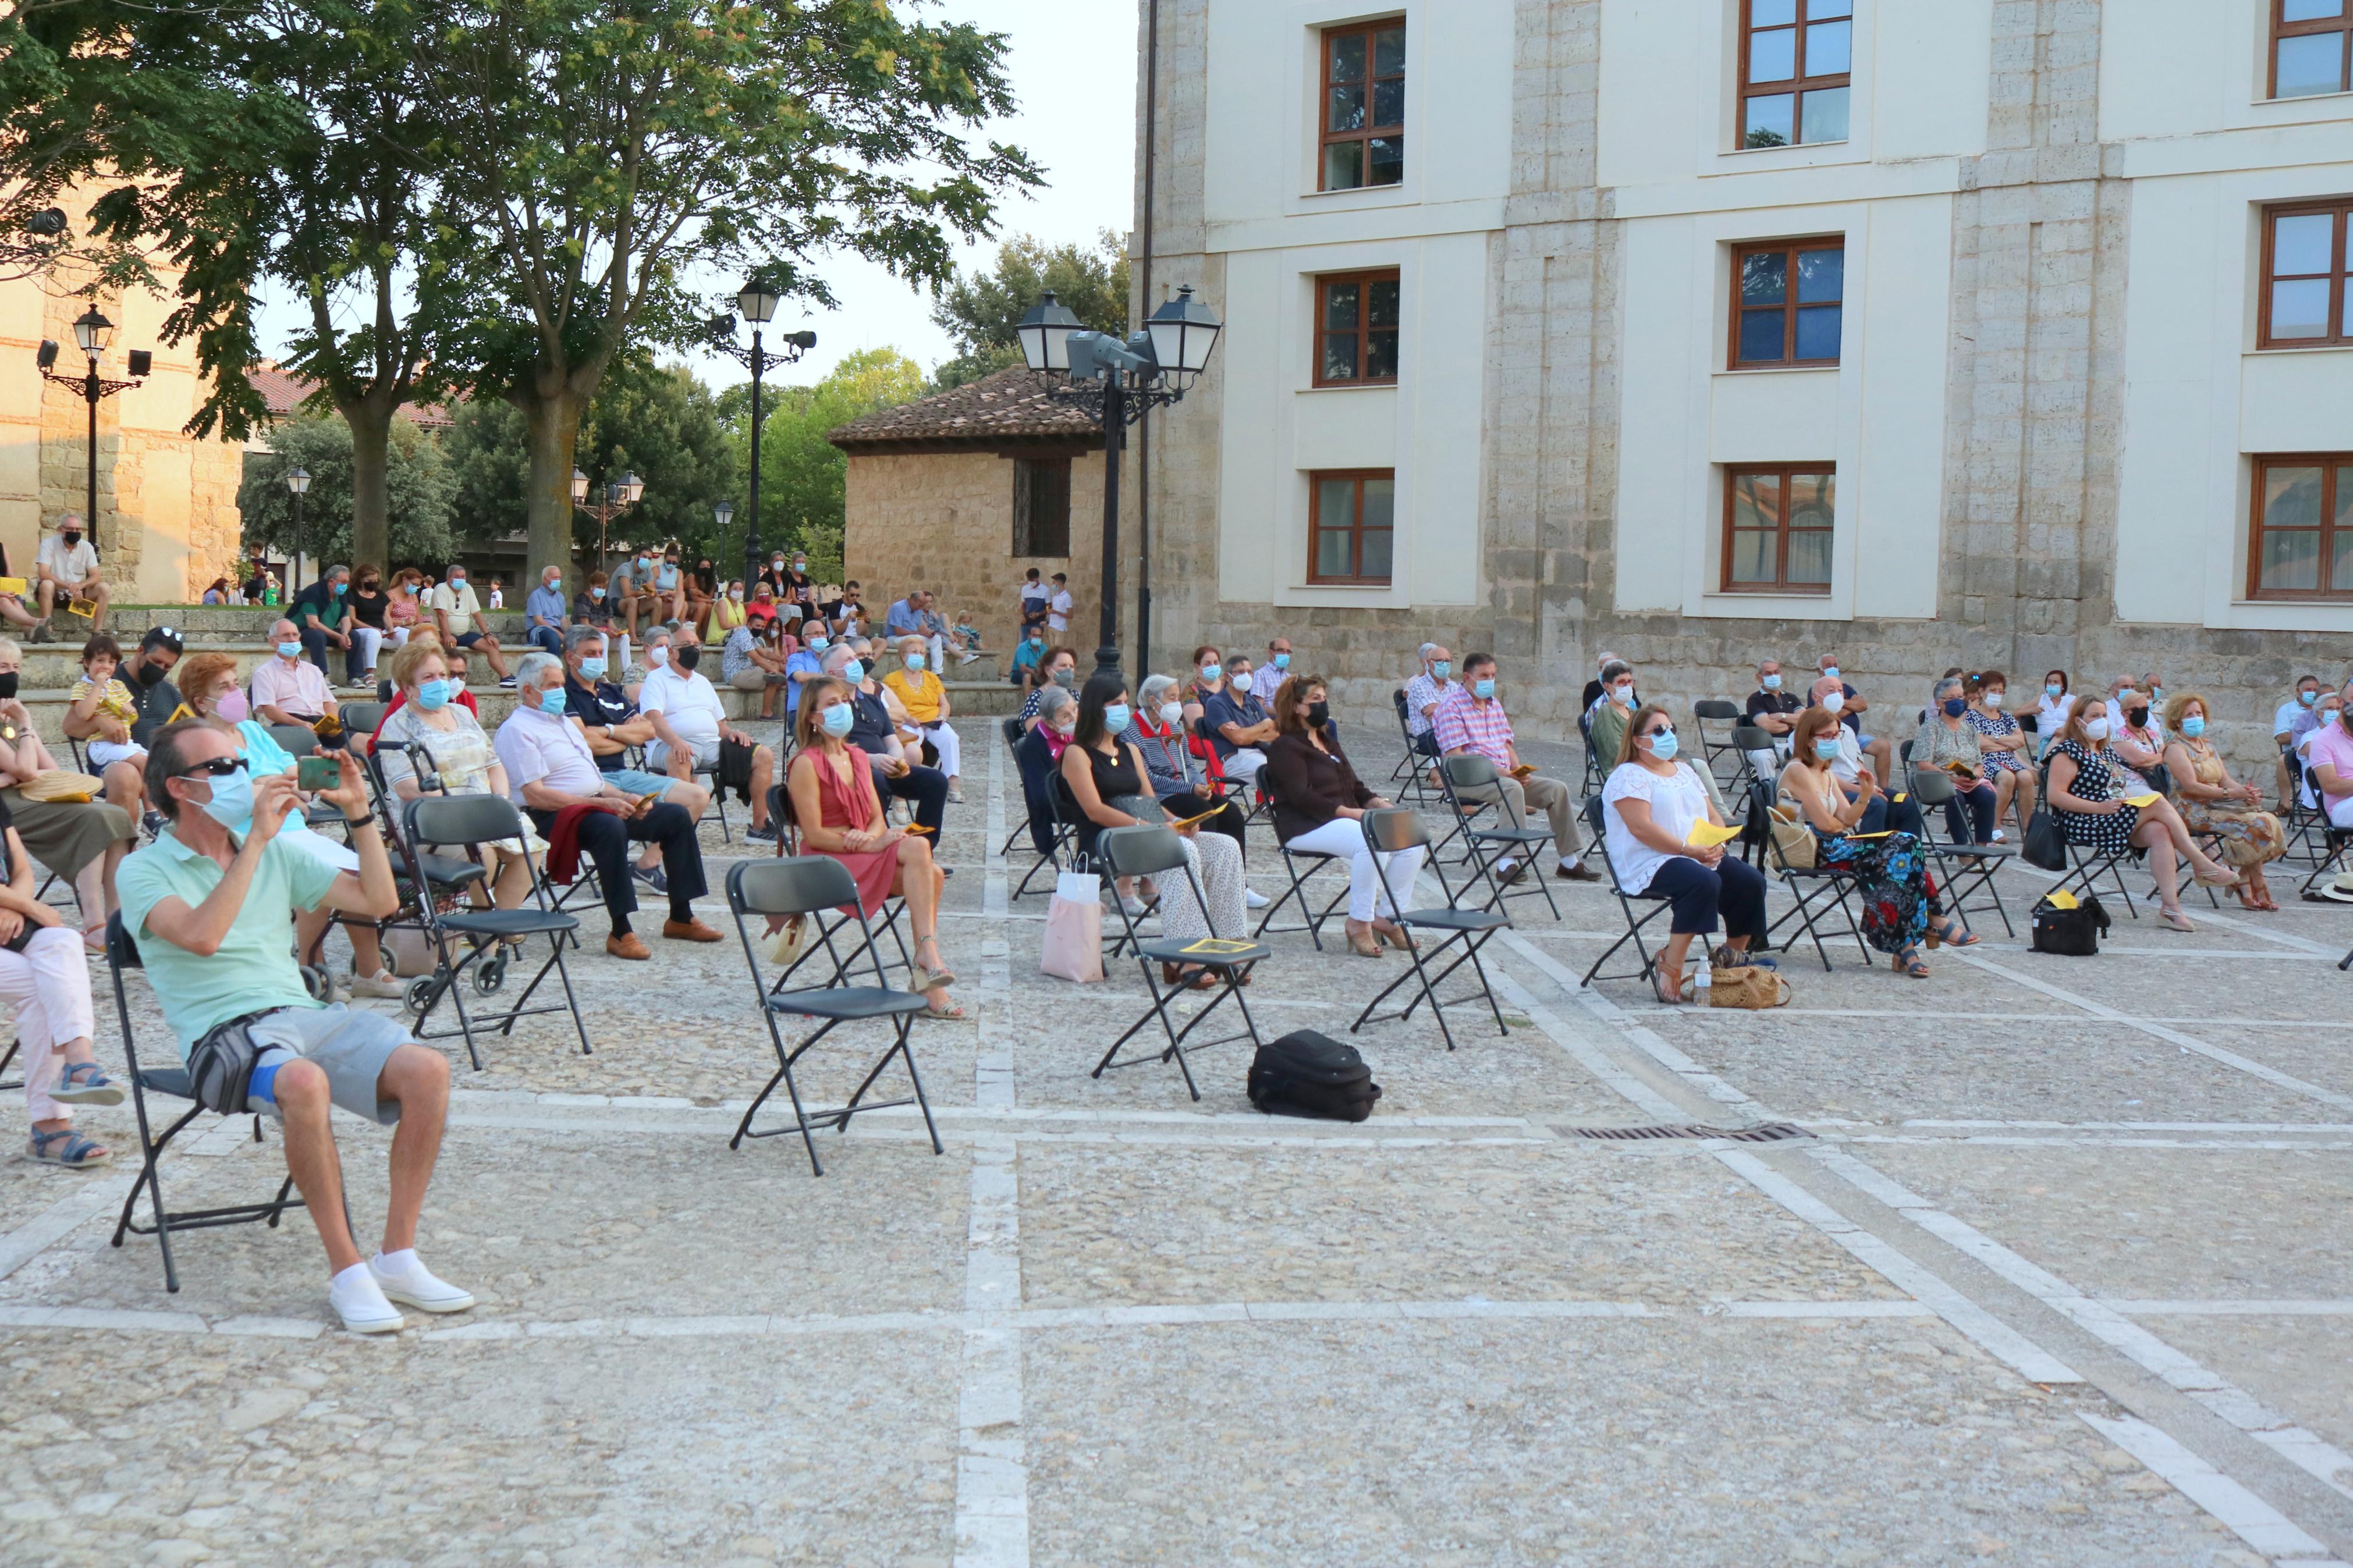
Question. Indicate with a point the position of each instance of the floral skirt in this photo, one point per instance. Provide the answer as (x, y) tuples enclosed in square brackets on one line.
[(1899, 897), (2245, 838)]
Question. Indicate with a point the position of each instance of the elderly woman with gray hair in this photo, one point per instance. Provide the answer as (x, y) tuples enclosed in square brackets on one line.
[(1180, 777), (1040, 756), (1947, 740)]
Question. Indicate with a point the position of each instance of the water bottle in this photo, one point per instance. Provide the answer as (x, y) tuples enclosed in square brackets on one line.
[(1702, 978)]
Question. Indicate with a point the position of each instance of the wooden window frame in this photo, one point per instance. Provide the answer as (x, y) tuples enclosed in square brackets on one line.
[(2340, 209), (1792, 248), (1325, 136), (2283, 28), (1798, 84), (2328, 463), (1780, 584), (1364, 331), (1316, 480), (1024, 506)]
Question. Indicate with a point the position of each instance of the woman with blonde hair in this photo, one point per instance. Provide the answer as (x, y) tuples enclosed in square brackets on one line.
[(459, 754), (2215, 805), (2086, 791)]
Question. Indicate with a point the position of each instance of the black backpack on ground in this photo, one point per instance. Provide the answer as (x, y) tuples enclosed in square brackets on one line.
[(1308, 1074), (2075, 932)]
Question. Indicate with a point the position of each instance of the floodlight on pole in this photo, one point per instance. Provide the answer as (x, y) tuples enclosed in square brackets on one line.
[(92, 332)]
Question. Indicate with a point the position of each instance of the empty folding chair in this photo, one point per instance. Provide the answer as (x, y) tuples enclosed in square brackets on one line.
[(1967, 868), (1490, 847), (1716, 747), (1753, 745), (1410, 767), (1625, 902), (801, 886), (465, 822), (1158, 852), (1388, 832), (1811, 886), (173, 1083)]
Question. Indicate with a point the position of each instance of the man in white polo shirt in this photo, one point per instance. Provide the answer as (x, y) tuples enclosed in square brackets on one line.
[(458, 615), (689, 719)]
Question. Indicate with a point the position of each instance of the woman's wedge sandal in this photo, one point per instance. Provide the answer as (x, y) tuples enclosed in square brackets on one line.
[(1907, 961)]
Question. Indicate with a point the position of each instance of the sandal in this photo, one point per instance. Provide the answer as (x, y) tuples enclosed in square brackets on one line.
[(1669, 992), (2224, 878), (84, 1083), (1187, 977), (952, 1011), (1907, 961), (1951, 935), (78, 1154), (2175, 919)]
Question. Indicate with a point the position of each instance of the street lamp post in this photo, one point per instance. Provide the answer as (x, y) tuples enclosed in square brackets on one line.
[(757, 303), (92, 334), (298, 485), (1119, 383), (611, 502)]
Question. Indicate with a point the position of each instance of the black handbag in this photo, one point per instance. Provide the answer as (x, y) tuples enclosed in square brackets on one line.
[(2073, 934), (2046, 842)]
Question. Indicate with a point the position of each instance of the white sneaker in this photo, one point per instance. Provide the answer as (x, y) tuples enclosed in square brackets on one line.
[(381, 985), (955, 794), (417, 1286), (360, 1301), (1253, 900)]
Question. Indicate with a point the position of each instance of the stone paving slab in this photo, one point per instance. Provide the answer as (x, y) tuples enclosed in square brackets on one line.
[(2300, 1365), (1574, 1443)]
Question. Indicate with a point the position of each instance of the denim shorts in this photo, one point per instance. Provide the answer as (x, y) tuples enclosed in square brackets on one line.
[(636, 781), (351, 1047)]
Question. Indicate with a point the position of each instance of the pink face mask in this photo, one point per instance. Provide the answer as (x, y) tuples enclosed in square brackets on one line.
[(231, 708)]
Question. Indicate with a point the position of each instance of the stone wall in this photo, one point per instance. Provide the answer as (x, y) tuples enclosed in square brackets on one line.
[(944, 520)]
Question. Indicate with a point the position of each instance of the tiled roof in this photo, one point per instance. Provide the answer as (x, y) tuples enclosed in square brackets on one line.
[(281, 390), (1010, 406)]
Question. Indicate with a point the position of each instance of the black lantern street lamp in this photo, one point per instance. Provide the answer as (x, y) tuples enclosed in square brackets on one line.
[(756, 302), (611, 502), (298, 485), (92, 332), (1120, 383)]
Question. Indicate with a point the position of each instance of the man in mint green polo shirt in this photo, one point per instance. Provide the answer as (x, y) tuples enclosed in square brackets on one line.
[(210, 904)]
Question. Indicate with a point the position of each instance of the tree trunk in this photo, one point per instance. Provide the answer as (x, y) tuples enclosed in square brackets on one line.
[(551, 429), (371, 486)]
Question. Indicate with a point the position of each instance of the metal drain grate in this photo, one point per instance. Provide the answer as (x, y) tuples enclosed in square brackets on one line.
[(1770, 1132)]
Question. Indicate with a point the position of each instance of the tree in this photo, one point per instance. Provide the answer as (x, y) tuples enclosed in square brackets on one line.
[(801, 474), (597, 156), (418, 489), (980, 309)]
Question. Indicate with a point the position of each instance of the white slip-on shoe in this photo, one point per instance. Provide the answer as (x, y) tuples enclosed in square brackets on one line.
[(416, 1287), (360, 1302), (1253, 899)]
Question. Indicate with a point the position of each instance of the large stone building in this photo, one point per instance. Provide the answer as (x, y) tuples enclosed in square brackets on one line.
[(1991, 332), (167, 519)]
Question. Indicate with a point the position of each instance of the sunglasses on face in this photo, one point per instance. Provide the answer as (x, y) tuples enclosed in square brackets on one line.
[(218, 768), (1662, 729)]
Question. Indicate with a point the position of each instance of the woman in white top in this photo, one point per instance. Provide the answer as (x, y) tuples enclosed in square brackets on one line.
[(2050, 710), (1649, 808)]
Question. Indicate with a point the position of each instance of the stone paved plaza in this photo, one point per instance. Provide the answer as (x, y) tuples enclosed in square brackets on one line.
[(2058, 1273)]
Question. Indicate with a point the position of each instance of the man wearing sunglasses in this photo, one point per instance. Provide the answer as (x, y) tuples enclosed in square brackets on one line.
[(210, 904)]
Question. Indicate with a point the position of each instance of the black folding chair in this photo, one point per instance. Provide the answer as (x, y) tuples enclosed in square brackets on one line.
[(469, 821), (1750, 741), (1715, 747), (121, 953), (1411, 769), (1389, 831), (1625, 902), (1314, 861), (782, 811), (2325, 844), (805, 885), (1490, 847), (1156, 852), (1011, 729), (1811, 886), (1968, 867)]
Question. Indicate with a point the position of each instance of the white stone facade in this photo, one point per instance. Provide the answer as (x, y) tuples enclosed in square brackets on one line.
[(2043, 415)]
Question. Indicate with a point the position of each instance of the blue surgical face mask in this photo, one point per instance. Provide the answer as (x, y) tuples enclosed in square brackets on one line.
[(1484, 687), (2052, 689), (1441, 669), (1623, 695), (915, 661), (1115, 716), (2193, 726), (1830, 672), (816, 644), (551, 699), (1771, 683), (595, 592), (1213, 672), (1664, 745), (232, 801), (1280, 661), (592, 669), (290, 649), (853, 672), (836, 719), (2307, 698), (1826, 747), (433, 695), (1954, 707)]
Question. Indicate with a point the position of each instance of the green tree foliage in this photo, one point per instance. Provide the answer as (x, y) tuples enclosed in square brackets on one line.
[(980, 309), (802, 475), (419, 488)]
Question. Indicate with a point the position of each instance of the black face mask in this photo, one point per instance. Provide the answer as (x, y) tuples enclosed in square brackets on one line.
[(7, 686), (688, 658), (2136, 717), (1319, 714), (72, 536), (146, 674)]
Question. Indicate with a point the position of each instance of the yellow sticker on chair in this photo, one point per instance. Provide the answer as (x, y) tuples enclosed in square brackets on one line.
[(1216, 947), (2147, 799), (1704, 834)]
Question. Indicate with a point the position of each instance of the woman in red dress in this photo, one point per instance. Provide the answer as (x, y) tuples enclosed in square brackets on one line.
[(832, 788)]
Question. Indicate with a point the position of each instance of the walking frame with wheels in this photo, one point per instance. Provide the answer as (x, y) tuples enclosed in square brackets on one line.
[(1390, 831), (1156, 852), (802, 885)]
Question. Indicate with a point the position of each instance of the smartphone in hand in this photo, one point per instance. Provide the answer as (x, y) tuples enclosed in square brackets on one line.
[(318, 773)]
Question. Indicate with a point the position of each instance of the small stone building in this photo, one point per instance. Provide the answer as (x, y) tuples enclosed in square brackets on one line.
[(964, 491)]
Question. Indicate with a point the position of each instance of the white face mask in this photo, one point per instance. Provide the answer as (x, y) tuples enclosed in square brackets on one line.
[(1170, 713), (656, 657), (1834, 701), (1994, 700), (2095, 729)]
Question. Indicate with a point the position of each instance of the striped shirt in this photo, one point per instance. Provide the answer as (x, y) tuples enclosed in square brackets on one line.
[(1466, 724)]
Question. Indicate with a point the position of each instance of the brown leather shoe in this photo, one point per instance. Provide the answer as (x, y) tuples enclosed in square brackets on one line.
[(688, 930), (1581, 872), (629, 946)]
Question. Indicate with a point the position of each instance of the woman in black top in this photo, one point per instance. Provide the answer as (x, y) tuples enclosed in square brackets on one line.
[(368, 603), (1320, 805)]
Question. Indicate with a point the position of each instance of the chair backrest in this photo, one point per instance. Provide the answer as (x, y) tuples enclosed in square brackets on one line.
[(1140, 851), (122, 950), (1468, 769), (1011, 729), (1392, 828), (1903, 754), (360, 718), (460, 819), (296, 740), (1594, 823), (791, 885), (1714, 708), (1752, 738), (1933, 786)]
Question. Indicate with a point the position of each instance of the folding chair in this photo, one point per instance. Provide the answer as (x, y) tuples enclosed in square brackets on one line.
[(1411, 767), (446, 876), (121, 953), (469, 821), (1155, 852), (1714, 747), (1389, 831), (1011, 729), (1809, 884), (1968, 867), (782, 813), (1316, 861), (806, 885), (1625, 902), (1489, 847), (2328, 854), (1749, 742)]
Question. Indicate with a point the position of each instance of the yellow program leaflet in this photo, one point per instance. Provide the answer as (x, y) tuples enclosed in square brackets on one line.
[(2147, 799), (1705, 834)]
